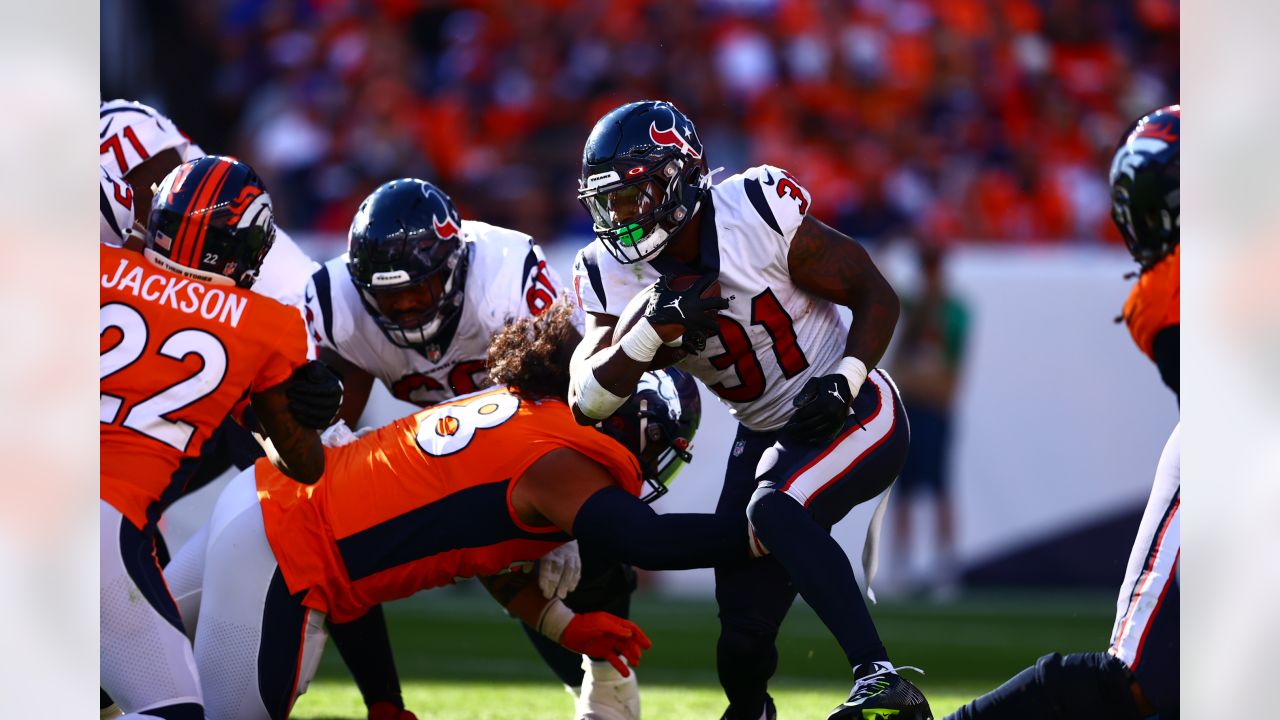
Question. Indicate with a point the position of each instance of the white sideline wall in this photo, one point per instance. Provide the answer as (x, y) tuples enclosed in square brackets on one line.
[(1060, 418)]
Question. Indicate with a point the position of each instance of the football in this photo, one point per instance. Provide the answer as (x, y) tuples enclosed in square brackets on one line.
[(634, 312)]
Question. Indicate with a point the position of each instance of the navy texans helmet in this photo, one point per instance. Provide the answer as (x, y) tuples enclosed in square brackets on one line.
[(407, 234), (657, 424), (1144, 186), (211, 219), (643, 174)]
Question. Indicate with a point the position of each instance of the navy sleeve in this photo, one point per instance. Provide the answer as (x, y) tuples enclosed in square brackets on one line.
[(617, 525)]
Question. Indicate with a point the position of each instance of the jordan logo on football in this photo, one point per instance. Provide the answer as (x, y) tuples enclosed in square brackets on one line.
[(676, 304)]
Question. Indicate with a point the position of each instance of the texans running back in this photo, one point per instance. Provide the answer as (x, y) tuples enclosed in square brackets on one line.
[(821, 430)]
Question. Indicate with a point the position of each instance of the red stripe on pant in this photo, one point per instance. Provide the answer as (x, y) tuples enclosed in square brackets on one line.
[(857, 425), (1168, 583), (1138, 588)]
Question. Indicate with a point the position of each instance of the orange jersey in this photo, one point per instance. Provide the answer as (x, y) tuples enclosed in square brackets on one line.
[(176, 355), (424, 501), (1154, 304)]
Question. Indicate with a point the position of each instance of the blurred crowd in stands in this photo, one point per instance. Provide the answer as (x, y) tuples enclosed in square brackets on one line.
[(944, 119)]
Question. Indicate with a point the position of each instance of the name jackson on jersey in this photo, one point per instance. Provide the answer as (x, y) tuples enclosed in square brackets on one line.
[(507, 278), (774, 336)]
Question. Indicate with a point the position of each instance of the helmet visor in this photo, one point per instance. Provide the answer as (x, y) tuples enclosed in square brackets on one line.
[(627, 214)]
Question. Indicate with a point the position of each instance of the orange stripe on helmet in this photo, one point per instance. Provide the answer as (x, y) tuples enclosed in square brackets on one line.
[(179, 251), (189, 230), (201, 233)]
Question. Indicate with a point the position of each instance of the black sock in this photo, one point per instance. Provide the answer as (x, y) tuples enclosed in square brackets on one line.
[(819, 570)]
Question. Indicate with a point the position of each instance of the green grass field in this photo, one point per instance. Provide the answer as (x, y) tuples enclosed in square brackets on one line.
[(461, 658)]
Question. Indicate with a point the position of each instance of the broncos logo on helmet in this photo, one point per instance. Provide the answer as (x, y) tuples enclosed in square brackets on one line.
[(212, 221), (657, 424), (1145, 170)]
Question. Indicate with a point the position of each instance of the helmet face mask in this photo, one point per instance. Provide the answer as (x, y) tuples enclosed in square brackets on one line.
[(642, 178), (408, 259), (211, 219), (1144, 178), (657, 424)]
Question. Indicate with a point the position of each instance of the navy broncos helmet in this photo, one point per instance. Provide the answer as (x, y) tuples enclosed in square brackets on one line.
[(1144, 186), (657, 423), (643, 174), (211, 219), (406, 234)]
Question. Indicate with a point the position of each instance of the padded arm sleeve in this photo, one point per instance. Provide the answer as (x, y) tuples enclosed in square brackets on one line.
[(616, 524)]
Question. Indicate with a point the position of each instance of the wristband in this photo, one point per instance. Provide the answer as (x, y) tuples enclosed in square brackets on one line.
[(853, 370), (555, 617), (593, 399), (641, 342)]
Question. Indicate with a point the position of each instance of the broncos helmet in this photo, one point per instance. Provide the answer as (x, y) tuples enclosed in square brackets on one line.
[(643, 175), (406, 234), (211, 219), (1144, 186), (657, 424)]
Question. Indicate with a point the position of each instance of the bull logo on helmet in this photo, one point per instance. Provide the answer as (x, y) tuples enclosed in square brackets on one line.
[(673, 138), (447, 228)]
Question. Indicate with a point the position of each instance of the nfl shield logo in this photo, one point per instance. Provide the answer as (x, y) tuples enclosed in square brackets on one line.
[(738, 447)]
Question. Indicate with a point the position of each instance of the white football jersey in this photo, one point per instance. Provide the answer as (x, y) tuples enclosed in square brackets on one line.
[(130, 132), (507, 279), (115, 199), (774, 336)]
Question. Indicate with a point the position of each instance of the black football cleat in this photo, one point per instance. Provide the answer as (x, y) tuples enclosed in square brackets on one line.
[(768, 713), (879, 693)]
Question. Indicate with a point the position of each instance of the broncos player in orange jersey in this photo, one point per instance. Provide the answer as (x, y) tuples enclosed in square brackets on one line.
[(1137, 676), (183, 342), (479, 486)]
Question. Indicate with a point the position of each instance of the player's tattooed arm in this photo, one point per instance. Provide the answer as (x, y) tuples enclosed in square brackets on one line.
[(294, 449), (357, 384), (833, 266)]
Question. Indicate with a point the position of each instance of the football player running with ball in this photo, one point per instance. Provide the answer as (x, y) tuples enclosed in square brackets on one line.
[(821, 429)]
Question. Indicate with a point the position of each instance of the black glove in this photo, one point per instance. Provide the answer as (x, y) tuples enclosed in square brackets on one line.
[(821, 409), (687, 308), (315, 395)]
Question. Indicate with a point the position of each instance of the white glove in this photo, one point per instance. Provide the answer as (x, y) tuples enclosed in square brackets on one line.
[(559, 571), (338, 434)]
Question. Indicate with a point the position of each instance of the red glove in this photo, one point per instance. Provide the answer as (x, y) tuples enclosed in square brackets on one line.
[(602, 635), (388, 711)]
